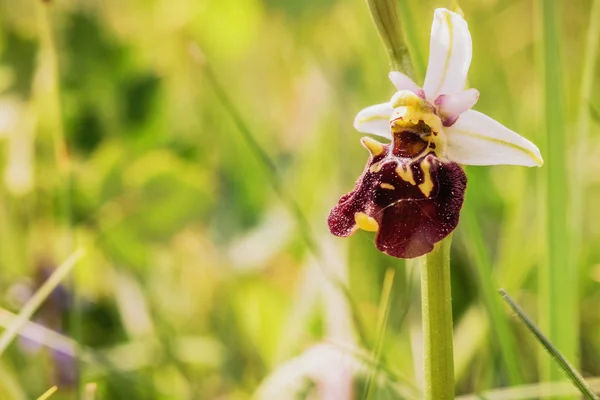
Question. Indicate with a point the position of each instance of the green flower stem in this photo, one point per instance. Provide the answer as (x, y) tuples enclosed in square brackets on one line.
[(436, 299), (436, 303), (385, 16)]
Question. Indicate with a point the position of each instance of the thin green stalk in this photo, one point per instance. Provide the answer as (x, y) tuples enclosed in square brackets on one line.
[(382, 321), (52, 104), (558, 357), (48, 393), (582, 133), (483, 266), (38, 298), (558, 277), (274, 179), (90, 391), (436, 303), (532, 391)]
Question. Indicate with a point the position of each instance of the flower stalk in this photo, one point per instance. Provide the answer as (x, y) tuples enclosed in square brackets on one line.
[(436, 304), (412, 189)]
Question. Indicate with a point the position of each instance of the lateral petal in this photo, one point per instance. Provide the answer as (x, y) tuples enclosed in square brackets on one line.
[(375, 120), (476, 139)]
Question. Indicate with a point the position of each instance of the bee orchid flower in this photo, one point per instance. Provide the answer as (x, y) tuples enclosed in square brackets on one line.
[(412, 189)]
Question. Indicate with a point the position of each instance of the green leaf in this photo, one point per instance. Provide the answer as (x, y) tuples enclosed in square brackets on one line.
[(560, 360)]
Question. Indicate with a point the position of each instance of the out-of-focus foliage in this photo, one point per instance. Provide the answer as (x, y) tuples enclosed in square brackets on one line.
[(198, 281)]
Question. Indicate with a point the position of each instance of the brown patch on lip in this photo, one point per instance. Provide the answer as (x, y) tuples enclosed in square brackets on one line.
[(410, 220), (409, 143)]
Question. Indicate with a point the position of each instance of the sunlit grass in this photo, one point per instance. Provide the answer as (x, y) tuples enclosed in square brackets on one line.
[(48, 393), (37, 299), (168, 176), (558, 273), (557, 356)]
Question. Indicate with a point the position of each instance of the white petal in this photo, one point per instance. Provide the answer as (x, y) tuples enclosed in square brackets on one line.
[(476, 139), (403, 82), (375, 120), (450, 106), (450, 52)]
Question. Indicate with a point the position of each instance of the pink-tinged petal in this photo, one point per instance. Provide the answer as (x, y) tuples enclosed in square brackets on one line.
[(326, 371), (375, 120), (476, 139), (450, 106), (450, 52), (403, 82)]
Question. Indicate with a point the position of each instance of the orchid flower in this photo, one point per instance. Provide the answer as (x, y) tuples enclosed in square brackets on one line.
[(412, 189)]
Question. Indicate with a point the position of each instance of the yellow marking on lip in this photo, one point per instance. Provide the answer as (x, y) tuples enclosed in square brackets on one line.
[(365, 222), (387, 186), (376, 167), (409, 109), (406, 98), (427, 186), (407, 175), (374, 147)]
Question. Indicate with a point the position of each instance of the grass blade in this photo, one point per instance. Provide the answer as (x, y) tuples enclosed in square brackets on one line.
[(271, 172), (583, 120), (90, 391), (562, 362), (558, 275), (48, 393), (38, 298), (481, 259), (382, 320), (534, 391), (49, 97), (582, 138)]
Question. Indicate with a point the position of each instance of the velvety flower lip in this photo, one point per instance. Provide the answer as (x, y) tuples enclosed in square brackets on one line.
[(411, 203), (412, 189)]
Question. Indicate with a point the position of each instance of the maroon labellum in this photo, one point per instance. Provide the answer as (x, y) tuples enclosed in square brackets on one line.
[(406, 194)]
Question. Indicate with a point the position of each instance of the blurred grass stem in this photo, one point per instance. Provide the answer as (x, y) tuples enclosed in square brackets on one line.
[(272, 174), (382, 321), (559, 275), (38, 298), (560, 359), (582, 133), (436, 304), (475, 247), (531, 391), (48, 83), (48, 393)]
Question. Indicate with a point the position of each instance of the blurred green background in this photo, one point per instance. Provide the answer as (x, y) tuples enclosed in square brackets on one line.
[(205, 271)]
